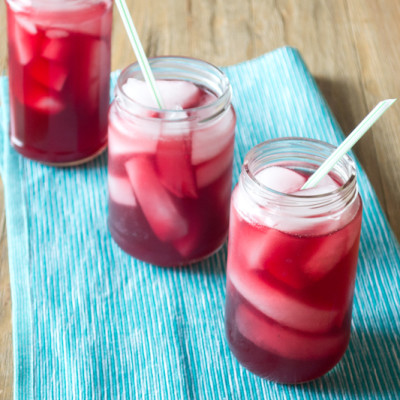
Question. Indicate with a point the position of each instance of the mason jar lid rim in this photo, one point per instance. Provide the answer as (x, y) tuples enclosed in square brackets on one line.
[(348, 183), (46, 6), (181, 60)]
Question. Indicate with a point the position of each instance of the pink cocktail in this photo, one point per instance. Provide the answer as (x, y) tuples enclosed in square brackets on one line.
[(170, 171), (292, 259), (59, 68)]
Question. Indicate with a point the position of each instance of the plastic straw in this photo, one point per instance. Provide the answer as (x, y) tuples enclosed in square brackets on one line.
[(348, 143), (138, 49)]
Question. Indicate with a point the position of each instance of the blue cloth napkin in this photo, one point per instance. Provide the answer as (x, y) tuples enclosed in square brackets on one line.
[(90, 322)]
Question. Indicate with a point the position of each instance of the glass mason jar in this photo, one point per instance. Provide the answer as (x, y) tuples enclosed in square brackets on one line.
[(170, 170), (292, 259), (59, 72)]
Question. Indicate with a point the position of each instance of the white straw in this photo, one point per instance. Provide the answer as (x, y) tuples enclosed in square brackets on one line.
[(348, 143), (138, 49)]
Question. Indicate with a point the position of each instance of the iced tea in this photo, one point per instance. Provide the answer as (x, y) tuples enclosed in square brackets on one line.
[(59, 69), (291, 270), (170, 171)]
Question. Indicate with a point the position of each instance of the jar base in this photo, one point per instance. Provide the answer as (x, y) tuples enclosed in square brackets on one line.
[(158, 258), (277, 366), (286, 371), (43, 158)]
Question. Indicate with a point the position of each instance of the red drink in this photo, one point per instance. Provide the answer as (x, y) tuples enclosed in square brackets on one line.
[(59, 68), (291, 267), (170, 172)]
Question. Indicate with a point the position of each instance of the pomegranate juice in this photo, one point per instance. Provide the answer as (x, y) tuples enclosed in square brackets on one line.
[(290, 279), (59, 66), (169, 173)]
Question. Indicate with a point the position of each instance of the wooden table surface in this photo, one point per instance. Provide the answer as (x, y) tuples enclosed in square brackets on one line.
[(350, 46)]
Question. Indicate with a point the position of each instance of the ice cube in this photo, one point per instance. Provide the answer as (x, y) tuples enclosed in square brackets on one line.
[(26, 23), (56, 46), (120, 191), (263, 216), (278, 304), (156, 203), (94, 21), (127, 136), (324, 258), (221, 196), (330, 251), (48, 104), (284, 342), (24, 50), (188, 244), (41, 98), (297, 223), (328, 180), (90, 27), (245, 205), (207, 98), (56, 33), (211, 170), (320, 224), (209, 141), (24, 35), (49, 73), (116, 164), (325, 186), (97, 54), (174, 94), (269, 250), (94, 82), (173, 166), (280, 179), (175, 124), (316, 191), (278, 254), (179, 94), (55, 50)]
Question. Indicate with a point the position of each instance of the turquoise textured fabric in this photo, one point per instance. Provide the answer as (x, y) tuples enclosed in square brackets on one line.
[(90, 322)]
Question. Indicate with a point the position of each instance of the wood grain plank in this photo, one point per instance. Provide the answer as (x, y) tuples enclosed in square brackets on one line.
[(376, 31), (6, 357), (3, 42), (6, 360)]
